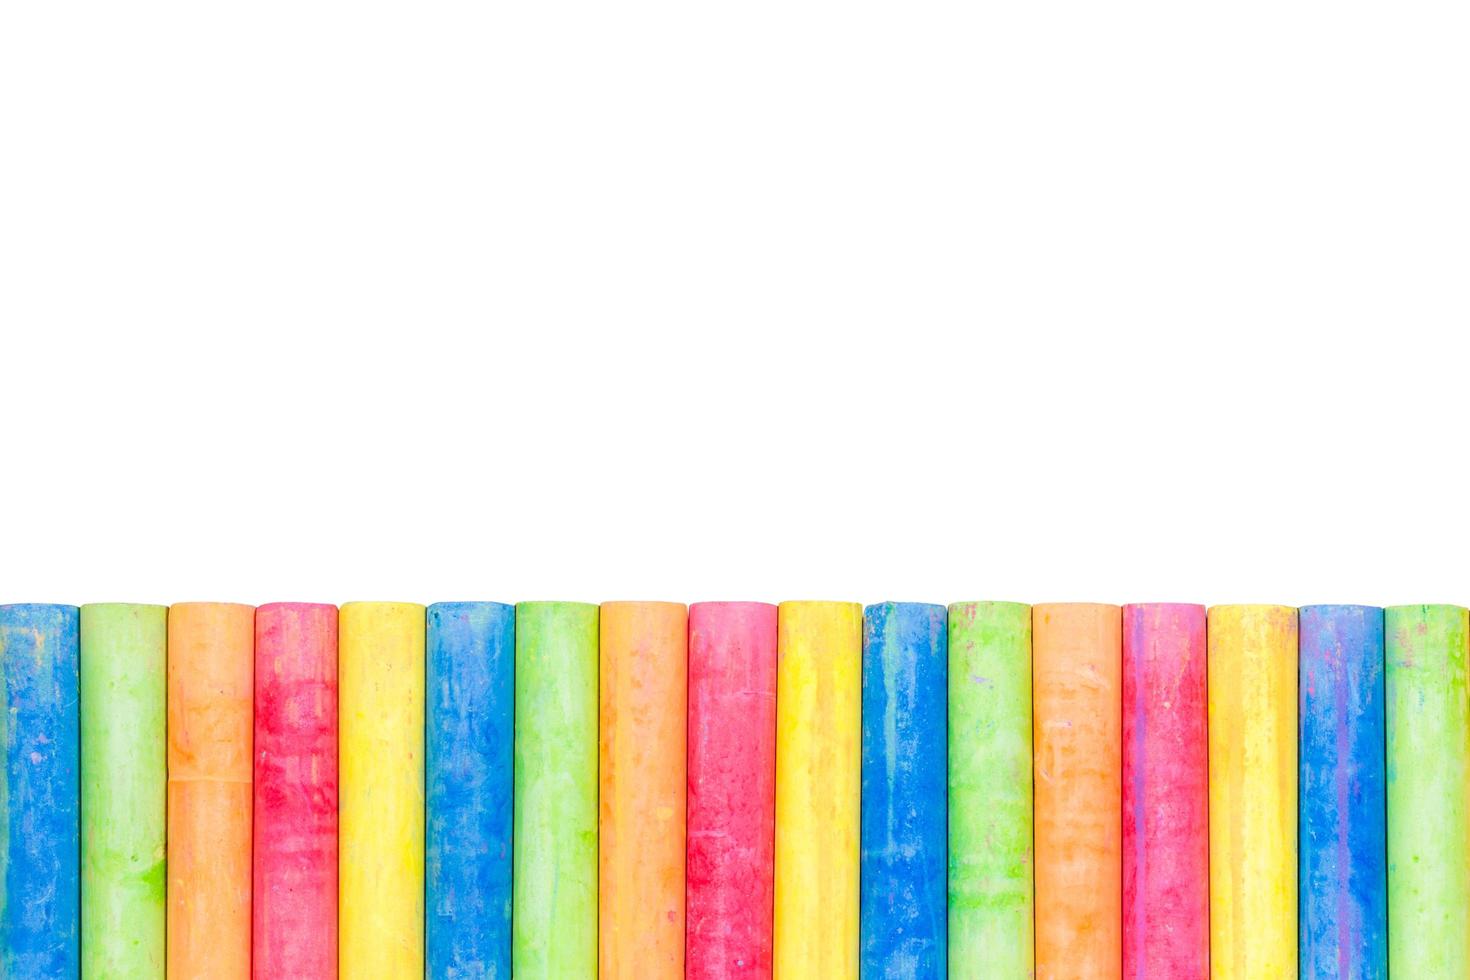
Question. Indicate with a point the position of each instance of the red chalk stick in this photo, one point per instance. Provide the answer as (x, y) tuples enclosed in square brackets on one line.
[(732, 789), (295, 913), (1166, 842)]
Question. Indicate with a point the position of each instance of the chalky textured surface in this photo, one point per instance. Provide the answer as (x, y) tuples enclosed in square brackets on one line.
[(381, 898), (470, 755), (1428, 791), (904, 825), (990, 861), (732, 789), (1166, 795), (211, 652), (295, 831), (1077, 663), (555, 875), (818, 788), (1342, 830), (1253, 739), (124, 789), (642, 754), (39, 830)]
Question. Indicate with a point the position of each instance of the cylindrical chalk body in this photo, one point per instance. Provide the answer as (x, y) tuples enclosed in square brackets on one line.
[(39, 801), (1428, 791), (124, 790), (470, 741), (904, 777), (1252, 665), (732, 790), (642, 756), (1078, 730), (554, 921), (818, 789), (295, 831), (381, 876), (1166, 793), (991, 933), (1342, 834), (211, 650)]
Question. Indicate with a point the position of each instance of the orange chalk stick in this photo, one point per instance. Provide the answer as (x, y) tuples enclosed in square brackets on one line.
[(211, 650), (1078, 729), (641, 777)]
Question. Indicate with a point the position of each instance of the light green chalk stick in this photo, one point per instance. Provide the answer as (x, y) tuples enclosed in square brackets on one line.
[(990, 865), (1428, 791), (124, 787), (554, 873)]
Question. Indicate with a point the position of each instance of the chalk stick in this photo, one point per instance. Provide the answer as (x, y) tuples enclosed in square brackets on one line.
[(471, 768), (904, 791), (295, 827), (39, 799), (124, 789), (1252, 665), (554, 919), (732, 790), (381, 743), (642, 757), (818, 789), (1342, 835), (211, 650), (1078, 730), (990, 932), (1166, 793), (1428, 791)]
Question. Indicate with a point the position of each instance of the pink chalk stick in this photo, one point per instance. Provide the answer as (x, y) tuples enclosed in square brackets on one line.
[(295, 834), (732, 790), (1166, 844)]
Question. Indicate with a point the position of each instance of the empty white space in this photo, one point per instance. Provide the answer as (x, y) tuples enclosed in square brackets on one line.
[(921, 300)]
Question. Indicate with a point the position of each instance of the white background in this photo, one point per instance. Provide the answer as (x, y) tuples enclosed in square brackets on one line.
[(935, 301)]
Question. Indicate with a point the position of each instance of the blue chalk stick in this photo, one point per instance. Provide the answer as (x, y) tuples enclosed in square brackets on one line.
[(1342, 851), (905, 784), (469, 776), (39, 798)]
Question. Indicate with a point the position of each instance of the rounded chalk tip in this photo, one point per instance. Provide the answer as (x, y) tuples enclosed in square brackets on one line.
[(966, 605), (295, 607), (629, 604), (203, 606), (891, 606), (1176, 608)]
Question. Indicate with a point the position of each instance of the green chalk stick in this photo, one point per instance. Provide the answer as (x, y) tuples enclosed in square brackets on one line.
[(1428, 791), (554, 874), (124, 787), (990, 862)]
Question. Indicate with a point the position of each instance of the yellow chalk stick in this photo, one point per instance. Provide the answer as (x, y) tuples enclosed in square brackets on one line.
[(818, 789), (381, 755), (1252, 664)]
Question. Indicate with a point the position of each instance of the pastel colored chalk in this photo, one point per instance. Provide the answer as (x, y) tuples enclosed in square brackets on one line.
[(1166, 793), (211, 651), (732, 790), (295, 825), (1428, 761), (642, 758), (904, 791), (990, 932), (818, 789), (1342, 833), (1078, 730), (554, 917), (381, 743), (1252, 663), (39, 801), (124, 789), (470, 741)]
